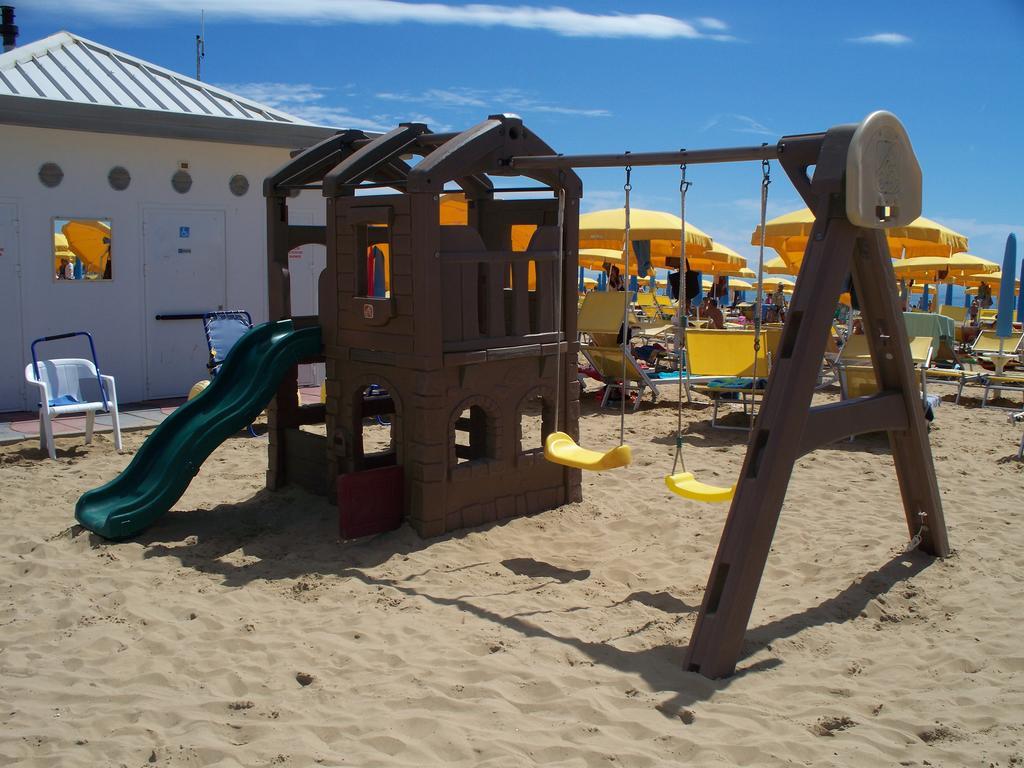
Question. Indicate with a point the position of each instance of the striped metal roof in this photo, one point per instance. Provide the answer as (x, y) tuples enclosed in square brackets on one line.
[(68, 68)]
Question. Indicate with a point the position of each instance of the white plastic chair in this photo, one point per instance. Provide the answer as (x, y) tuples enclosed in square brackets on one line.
[(60, 392)]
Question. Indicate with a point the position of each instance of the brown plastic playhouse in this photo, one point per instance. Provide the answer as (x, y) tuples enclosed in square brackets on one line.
[(466, 339)]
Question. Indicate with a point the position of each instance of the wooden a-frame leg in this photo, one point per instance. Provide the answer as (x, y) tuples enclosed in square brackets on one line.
[(779, 438), (887, 339), (771, 454)]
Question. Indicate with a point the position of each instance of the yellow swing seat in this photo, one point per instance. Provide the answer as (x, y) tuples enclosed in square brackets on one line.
[(560, 448), (686, 485)]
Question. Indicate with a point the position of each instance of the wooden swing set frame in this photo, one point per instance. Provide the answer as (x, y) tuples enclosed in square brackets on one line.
[(787, 425)]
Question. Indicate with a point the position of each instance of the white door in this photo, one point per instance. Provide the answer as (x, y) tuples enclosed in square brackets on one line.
[(13, 351), (305, 263), (185, 257)]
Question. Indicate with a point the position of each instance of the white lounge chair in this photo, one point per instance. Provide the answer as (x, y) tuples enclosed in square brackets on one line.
[(60, 392)]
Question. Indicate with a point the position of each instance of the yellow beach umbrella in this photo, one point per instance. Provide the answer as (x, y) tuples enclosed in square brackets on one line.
[(924, 237), (735, 284), (722, 260), (776, 266), (595, 258), (936, 269), (610, 224), (788, 235), (717, 261), (89, 240), (992, 278), (606, 229)]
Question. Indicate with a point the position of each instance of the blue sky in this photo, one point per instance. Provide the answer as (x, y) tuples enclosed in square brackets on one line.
[(645, 75)]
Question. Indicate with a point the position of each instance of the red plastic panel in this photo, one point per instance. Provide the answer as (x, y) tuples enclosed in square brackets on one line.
[(370, 502)]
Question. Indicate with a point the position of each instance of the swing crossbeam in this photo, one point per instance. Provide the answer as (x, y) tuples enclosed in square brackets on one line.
[(636, 159)]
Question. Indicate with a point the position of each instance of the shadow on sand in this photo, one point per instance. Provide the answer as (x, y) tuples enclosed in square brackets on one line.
[(290, 534)]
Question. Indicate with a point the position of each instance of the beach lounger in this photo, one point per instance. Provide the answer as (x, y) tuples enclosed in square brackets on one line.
[(1000, 382), (987, 344), (599, 321), (955, 313), (607, 362), (857, 376), (722, 367), (1018, 418)]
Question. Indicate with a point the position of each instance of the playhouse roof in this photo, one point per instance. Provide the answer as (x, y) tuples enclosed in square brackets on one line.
[(66, 81)]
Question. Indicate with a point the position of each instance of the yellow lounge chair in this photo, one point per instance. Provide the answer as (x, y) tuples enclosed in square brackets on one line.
[(956, 314), (600, 319), (857, 376), (987, 344), (721, 365)]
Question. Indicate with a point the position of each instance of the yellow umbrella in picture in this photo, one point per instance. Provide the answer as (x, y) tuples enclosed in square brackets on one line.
[(61, 252), (89, 240), (788, 235)]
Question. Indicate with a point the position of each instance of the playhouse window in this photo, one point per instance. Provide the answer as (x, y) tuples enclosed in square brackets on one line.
[(535, 417), (82, 250), (373, 260), (472, 438)]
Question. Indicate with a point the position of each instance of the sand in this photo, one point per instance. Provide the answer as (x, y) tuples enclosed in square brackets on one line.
[(239, 631)]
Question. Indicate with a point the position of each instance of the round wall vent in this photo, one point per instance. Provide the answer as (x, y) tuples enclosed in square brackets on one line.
[(181, 181), (119, 178), (50, 174), (238, 185)]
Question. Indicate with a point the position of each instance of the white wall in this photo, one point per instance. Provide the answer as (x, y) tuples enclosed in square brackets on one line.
[(114, 312)]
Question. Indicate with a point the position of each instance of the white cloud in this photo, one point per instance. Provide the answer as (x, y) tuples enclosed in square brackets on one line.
[(738, 124), (557, 20), (509, 99), (883, 38), (709, 23), (307, 102)]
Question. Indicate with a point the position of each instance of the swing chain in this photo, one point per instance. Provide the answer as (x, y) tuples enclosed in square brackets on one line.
[(681, 318), (624, 277), (559, 383), (766, 179)]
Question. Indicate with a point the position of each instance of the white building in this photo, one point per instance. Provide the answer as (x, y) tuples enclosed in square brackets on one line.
[(175, 167)]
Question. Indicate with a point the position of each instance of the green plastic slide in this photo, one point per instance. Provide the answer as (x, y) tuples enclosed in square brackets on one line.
[(171, 456)]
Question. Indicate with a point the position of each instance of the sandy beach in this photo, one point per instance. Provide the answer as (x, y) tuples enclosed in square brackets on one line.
[(239, 631)]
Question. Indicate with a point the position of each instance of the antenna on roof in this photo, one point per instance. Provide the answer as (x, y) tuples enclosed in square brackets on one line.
[(200, 45), (8, 30)]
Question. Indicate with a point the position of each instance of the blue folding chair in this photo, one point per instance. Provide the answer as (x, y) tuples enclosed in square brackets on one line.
[(223, 330)]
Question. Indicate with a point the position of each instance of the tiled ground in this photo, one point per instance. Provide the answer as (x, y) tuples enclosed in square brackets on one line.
[(25, 425)]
